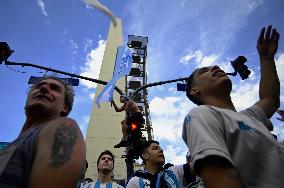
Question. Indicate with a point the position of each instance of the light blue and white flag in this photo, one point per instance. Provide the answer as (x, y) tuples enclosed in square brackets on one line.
[(122, 68)]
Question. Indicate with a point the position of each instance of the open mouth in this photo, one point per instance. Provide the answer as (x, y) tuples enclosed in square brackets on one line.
[(218, 72), (162, 156), (41, 97)]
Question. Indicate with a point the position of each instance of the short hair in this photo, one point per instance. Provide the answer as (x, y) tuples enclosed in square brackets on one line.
[(144, 145), (106, 152), (189, 83), (68, 95)]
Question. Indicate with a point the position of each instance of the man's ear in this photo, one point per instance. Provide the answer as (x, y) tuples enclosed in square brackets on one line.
[(145, 155), (194, 91), (65, 111)]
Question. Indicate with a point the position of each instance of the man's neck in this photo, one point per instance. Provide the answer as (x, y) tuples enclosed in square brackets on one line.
[(153, 168), (220, 102), (105, 177)]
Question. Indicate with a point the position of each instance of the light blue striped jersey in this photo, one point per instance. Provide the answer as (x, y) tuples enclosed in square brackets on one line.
[(98, 184)]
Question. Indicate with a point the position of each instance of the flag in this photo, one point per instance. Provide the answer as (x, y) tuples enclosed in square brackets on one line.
[(122, 68)]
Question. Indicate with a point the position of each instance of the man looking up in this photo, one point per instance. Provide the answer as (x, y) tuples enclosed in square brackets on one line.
[(105, 165), (229, 148), (50, 150), (154, 175)]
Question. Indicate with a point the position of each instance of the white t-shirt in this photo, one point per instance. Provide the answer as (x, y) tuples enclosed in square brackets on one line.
[(242, 138), (177, 170), (98, 184)]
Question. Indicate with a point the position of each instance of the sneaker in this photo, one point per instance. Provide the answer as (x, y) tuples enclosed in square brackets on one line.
[(122, 143)]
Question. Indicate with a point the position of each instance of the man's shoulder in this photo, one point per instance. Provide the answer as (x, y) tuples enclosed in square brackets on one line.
[(134, 179), (62, 120), (201, 108), (65, 123), (116, 185), (61, 128), (133, 182), (203, 111)]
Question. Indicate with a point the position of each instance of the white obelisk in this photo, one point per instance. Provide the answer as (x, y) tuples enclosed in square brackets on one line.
[(104, 130)]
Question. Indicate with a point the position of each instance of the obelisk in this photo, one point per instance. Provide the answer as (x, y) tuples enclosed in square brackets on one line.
[(104, 130)]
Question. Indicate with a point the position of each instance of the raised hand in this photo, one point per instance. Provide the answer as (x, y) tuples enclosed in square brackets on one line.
[(281, 113), (267, 43)]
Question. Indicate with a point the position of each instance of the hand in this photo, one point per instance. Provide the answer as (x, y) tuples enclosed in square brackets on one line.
[(267, 43), (281, 113)]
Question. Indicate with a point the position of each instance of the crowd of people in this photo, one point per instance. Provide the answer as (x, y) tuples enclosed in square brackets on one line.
[(226, 148)]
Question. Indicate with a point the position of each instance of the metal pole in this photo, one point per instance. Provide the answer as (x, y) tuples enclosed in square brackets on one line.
[(156, 84), (62, 72), (129, 164)]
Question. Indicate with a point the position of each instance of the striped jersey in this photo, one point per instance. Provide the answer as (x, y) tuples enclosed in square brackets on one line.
[(98, 184)]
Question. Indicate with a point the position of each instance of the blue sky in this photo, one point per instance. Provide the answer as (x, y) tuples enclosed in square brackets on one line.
[(183, 35)]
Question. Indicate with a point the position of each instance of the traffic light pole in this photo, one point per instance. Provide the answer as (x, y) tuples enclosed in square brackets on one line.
[(62, 72), (100, 81), (129, 164), (156, 84)]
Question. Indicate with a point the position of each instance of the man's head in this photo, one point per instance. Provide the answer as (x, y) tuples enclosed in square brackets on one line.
[(105, 162), (123, 98), (207, 81), (50, 96), (151, 152)]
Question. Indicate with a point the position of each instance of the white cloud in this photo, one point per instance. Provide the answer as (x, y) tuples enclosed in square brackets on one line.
[(164, 106), (280, 71), (175, 154), (226, 67), (245, 94), (172, 90), (280, 66), (278, 130), (199, 58), (185, 59), (93, 64), (208, 60), (41, 4), (167, 117)]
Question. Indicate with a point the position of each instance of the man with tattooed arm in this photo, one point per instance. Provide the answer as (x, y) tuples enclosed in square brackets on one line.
[(50, 150)]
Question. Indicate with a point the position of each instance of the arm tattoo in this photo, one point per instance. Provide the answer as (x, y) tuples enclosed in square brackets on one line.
[(63, 141)]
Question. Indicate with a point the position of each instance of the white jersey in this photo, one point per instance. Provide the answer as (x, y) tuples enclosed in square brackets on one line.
[(98, 184), (242, 138), (177, 170)]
